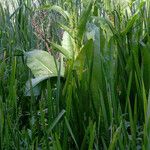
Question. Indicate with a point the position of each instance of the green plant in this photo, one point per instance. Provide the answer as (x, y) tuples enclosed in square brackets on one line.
[(74, 75)]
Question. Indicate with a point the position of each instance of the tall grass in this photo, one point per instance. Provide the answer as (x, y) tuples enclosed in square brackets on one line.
[(102, 101)]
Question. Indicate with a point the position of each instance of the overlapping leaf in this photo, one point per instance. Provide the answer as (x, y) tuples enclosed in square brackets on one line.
[(43, 66)]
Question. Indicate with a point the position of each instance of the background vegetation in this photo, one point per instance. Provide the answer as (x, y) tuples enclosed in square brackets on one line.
[(75, 74)]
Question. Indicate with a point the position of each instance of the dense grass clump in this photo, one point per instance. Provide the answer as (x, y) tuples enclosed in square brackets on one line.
[(75, 75)]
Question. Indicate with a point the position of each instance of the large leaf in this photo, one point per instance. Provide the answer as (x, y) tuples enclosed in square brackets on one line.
[(106, 26), (93, 33), (84, 58), (41, 63), (43, 66), (67, 43), (67, 47), (33, 86), (91, 47)]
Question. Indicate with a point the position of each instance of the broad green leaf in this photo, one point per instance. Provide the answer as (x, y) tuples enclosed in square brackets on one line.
[(105, 26), (93, 33), (84, 58), (67, 47), (67, 43), (64, 51), (28, 91), (41, 63), (43, 66), (67, 29), (34, 85)]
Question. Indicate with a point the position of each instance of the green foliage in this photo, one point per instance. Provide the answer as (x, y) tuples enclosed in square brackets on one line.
[(75, 75)]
